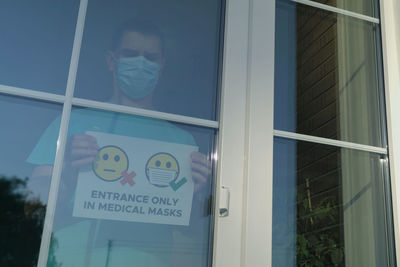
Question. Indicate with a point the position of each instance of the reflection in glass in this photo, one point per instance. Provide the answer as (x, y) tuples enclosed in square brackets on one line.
[(327, 78), (365, 7), (23, 190), (329, 207), (164, 59), (36, 43), (134, 191)]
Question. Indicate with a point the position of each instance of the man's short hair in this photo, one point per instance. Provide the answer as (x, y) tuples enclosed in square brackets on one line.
[(140, 26)]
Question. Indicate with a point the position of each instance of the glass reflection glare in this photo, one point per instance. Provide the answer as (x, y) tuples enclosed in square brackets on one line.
[(181, 63), (157, 189), (329, 206), (327, 78)]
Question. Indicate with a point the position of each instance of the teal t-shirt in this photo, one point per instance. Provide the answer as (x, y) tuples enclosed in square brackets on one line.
[(83, 120), (86, 242)]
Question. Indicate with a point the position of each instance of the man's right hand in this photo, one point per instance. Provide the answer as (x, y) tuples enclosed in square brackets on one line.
[(81, 150)]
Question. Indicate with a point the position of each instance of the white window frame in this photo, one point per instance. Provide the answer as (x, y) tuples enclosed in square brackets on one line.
[(246, 135), (245, 160), (390, 10), (246, 147), (69, 101)]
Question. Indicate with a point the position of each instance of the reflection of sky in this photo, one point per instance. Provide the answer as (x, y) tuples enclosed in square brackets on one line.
[(191, 30), (36, 43), (285, 68), (22, 123), (284, 203), (37, 38), (284, 207), (35, 51)]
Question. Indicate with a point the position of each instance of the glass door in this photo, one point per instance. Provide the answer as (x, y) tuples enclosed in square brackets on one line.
[(120, 106)]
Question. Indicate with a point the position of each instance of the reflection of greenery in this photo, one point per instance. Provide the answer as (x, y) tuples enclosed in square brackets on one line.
[(318, 237), (21, 223), (51, 261)]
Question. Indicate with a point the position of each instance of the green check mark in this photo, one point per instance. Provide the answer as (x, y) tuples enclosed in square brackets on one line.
[(176, 186)]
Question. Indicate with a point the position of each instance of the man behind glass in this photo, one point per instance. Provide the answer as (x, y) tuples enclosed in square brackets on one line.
[(136, 61)]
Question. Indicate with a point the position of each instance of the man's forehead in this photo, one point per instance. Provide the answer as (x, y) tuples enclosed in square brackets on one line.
[(141, 42)]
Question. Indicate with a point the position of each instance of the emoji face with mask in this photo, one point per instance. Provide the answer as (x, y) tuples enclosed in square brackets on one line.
[(161, 169)]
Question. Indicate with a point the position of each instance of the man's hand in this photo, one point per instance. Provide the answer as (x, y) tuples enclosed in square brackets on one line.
[(81, 150), (201, 170)]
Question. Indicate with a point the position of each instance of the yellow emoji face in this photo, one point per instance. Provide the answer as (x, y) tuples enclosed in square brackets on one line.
[(161, 169), (110, 162)]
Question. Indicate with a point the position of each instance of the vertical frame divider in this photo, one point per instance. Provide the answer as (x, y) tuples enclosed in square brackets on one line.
[(62, 138), (228, 234), (391, 61), (257, 243)]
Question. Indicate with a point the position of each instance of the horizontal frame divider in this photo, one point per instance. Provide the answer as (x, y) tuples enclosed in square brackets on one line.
[(144, 112), (331, 142), (43, 96), (28, 93), (337, 10)]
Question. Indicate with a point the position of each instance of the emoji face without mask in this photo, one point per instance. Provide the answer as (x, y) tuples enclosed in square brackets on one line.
[(110, 162)]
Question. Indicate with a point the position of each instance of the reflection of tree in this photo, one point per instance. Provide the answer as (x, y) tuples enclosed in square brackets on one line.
[(318, 243), (52, 261), (21, 223)]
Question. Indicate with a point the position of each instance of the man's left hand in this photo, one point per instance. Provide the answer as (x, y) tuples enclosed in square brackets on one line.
[(201, 170)]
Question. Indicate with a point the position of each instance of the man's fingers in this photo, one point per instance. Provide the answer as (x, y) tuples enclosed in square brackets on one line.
[(201, 168), (83, 141), (83, 152), (200, 181), (84, 145), (82, 162), (197, 187), (82, 149), (200, 163), (199, 178), (200, 158), (85, 137)]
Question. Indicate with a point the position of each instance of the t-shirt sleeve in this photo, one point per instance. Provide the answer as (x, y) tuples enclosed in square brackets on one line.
[(44, 151), (178, 135), (189, 140)]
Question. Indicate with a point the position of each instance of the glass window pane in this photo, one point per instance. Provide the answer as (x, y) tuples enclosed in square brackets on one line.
[(134, 190), (23, 187), (36, 43), (327, 75), (159, 55), (328, 206), (365, 7)]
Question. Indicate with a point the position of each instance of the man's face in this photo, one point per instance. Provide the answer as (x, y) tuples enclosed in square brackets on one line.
[(134, 81), (135, 44)]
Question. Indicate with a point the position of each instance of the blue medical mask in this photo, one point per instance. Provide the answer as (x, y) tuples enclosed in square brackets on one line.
[(137, 77)]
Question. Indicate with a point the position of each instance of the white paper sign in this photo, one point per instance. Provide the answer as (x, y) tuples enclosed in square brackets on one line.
[(138, 180)]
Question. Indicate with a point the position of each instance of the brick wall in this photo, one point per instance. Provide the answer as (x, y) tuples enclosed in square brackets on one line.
[(319, 213)]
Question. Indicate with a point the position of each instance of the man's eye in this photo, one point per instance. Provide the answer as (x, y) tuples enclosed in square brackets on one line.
[(129, 54)]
